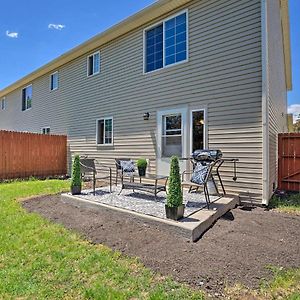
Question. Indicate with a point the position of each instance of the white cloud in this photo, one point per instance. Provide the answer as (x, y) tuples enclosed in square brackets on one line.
[(295, 110), (56, 26), (13, 35)]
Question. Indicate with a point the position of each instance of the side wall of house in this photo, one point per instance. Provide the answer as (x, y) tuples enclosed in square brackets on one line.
[(223, 75), (277, 92)]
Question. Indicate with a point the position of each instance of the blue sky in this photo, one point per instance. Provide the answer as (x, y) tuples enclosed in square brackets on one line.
[(37, 44)]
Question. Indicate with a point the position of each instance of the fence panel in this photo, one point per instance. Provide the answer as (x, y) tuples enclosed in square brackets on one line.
[(28, 154), (289, 161)]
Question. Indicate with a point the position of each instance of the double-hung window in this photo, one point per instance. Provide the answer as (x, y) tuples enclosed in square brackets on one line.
[(104, 131), (27, 98), (54, 81), (3, 104), (166, 43), (93, 64)]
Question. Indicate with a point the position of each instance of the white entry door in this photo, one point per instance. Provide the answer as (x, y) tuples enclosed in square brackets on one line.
[(179, 132), (172, 138)]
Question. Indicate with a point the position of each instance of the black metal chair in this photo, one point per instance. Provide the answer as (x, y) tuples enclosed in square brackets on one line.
[(90, 172), (213, 170)]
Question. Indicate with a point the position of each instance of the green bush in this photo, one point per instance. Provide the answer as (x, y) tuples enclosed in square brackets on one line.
[(76, 175), (174, 197), (142, 163)]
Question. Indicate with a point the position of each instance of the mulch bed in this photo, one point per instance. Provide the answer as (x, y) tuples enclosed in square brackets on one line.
[(238, 248)]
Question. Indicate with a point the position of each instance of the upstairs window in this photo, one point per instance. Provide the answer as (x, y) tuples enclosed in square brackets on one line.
[(166, 43), (104, 135), (27, 98), (3, 104), (45, 130), (54, 81), (93, 64)]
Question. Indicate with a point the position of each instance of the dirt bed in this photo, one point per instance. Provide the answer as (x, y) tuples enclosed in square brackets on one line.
[(238, 248)]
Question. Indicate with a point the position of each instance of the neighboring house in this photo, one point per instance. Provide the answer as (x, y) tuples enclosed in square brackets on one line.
[(210, 74)]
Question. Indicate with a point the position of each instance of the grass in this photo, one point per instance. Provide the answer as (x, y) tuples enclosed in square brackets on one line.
[(288, 204), (42, 260), (285, 285)]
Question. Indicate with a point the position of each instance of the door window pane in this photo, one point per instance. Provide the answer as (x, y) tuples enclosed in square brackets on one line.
[(172, 135), (198, 130)]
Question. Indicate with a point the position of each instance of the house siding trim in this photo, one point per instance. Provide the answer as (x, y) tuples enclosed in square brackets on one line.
[(265, 105)]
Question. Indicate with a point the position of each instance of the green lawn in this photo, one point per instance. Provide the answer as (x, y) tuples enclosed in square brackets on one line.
[(41, 260), (285, 286), (289, 204)]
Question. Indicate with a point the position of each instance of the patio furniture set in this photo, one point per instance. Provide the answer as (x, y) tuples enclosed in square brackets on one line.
[(205, 168)]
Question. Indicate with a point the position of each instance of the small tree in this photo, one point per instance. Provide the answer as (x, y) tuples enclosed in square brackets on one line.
[(76, 175), (174, 197)]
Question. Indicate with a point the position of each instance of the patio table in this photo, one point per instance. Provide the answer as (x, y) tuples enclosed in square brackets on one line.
[(159, 185)]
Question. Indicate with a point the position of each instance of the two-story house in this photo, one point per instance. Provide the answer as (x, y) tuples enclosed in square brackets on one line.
[(177, 76)]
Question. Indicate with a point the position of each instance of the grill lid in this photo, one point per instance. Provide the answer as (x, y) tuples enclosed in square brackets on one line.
[(207, 155)]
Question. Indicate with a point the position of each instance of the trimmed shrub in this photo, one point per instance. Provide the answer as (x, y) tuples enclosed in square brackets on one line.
[(76, 175), (174, 197)]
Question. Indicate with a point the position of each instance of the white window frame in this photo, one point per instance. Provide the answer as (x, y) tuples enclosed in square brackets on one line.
[(204, 110), (44, 128), (112, 131), (87, 64), (3, 103), (164, 49), (26, 109), (50, 86)]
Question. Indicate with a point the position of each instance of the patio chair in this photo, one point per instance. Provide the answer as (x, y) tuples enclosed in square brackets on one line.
[(119, 172), (90, 172), (200, 177)]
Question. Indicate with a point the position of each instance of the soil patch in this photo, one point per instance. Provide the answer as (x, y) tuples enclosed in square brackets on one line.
[(238, 248)]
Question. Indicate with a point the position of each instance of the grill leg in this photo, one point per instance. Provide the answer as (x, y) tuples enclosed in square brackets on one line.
[(214, 182), (206, 194), (221, 182)]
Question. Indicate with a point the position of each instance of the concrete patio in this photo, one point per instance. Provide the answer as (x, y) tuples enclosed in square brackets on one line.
[(197, 218)]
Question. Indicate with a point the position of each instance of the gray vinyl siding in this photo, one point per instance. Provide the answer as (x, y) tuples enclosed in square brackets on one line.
[(277, 96), (223, 75)]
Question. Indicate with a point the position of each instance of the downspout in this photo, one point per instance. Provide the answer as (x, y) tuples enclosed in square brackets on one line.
[(265, 101)]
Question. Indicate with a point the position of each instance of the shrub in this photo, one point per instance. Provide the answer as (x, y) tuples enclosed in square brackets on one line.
[(76, 175), (142, 163), (174, 197)]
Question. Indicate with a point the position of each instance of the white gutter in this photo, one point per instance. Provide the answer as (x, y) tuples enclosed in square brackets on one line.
[(265, 101)]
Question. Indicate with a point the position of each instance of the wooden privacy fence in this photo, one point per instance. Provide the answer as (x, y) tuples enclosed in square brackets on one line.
[(289, 161), (28, 154)]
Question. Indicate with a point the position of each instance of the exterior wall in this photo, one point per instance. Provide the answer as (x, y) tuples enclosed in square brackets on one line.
[(277, 92), (223, 75)]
